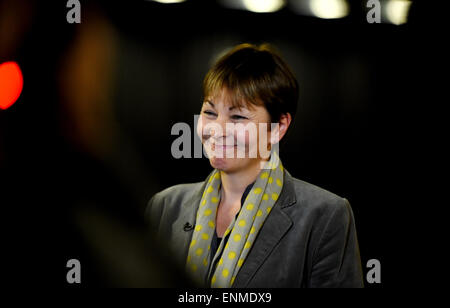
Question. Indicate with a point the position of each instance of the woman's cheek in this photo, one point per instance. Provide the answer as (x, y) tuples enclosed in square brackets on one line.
[(240, 139), (204, 129), (244, 141), (200, 127)]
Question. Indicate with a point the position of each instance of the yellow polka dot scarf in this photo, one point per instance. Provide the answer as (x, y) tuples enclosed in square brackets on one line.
[(244, 228)]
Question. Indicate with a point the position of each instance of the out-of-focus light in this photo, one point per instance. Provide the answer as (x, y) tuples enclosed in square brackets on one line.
[(329, 9), (11, 84), (169, 1), (263, 6), (397, 11)]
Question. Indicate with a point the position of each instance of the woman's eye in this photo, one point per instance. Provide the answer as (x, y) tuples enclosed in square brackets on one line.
[(238, 117), (210, 113)]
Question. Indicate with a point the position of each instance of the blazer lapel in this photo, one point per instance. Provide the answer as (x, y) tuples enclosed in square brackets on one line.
[(181, 238), (273, 229)]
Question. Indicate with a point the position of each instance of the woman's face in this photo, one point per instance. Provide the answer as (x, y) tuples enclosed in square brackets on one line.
[(234, 138)]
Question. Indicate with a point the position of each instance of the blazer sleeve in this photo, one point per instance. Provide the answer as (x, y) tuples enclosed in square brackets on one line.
[(154, 211), (337, 262)]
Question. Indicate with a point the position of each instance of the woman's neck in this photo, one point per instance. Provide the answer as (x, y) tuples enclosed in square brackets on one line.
[(235, 183)]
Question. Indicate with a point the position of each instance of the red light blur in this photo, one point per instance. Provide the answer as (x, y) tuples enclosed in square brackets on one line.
[(11, 84)]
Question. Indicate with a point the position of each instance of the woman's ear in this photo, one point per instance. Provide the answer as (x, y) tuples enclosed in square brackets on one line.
[(281, 128)]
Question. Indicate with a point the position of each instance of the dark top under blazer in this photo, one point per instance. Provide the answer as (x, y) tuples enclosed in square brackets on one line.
[(308, 239)]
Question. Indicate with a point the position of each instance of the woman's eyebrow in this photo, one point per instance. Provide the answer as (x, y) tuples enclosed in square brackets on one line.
[(240, 108), (209, 102), (230, 108)]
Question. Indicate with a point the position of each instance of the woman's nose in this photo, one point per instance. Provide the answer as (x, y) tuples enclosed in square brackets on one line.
[(220, 128)]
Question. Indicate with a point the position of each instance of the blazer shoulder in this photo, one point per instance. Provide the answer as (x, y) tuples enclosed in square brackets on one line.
[(170, 199), (315, 198), (179, 190), (174, 194)]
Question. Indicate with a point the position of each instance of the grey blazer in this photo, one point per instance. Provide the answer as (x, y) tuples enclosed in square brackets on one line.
[(308, 240)]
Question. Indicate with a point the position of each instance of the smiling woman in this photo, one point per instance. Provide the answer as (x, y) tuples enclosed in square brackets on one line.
[(252, 223), (230, 132)]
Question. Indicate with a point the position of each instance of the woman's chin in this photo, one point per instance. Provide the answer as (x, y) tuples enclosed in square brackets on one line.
[(229, 165), (219, 163)]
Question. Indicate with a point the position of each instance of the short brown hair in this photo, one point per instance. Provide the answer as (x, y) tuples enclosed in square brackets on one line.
[(255, 75)]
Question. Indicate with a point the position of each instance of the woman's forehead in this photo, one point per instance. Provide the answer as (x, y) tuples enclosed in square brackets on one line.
[(228, 99)]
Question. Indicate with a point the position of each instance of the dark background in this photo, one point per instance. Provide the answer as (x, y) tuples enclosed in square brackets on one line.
[(88, 142)]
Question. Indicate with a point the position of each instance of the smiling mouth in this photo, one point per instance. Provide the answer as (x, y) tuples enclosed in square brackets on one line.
[(217, 145), (223, 146)]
